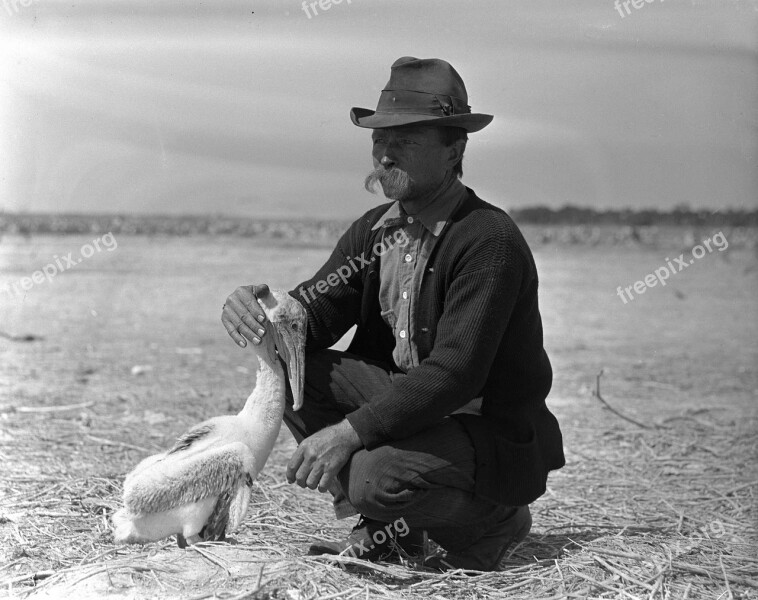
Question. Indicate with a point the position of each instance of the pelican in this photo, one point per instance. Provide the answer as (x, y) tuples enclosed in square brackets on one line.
[(201, 487)]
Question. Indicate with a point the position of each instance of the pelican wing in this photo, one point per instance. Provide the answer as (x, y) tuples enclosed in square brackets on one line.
[(231, 506), (178, 480), (183, 442), (188, 438), (215, 527)]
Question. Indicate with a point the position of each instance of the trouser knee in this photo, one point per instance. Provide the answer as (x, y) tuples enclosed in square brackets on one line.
[(374, 484)]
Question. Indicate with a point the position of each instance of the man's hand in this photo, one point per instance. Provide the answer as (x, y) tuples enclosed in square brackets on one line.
[(321, 456), (242, 316)]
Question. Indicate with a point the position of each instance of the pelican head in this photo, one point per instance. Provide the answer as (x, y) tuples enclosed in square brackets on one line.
[(286, 337)]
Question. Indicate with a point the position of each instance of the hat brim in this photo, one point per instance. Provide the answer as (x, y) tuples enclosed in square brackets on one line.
[(371, 119)]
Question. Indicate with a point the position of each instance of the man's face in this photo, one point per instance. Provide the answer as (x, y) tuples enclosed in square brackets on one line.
[(409, 161)]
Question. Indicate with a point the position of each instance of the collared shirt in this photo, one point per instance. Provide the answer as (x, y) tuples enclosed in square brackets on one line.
[(403, 266)]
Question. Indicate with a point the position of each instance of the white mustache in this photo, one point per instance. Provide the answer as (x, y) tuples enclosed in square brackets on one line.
[(395, 182)]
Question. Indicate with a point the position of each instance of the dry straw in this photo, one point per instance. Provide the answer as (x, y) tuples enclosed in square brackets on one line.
[(633, 515)]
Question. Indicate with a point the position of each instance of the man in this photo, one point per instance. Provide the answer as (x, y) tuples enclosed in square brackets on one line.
[(435, 418)]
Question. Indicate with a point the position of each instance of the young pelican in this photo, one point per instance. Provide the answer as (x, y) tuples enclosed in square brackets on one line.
[(201, 487)]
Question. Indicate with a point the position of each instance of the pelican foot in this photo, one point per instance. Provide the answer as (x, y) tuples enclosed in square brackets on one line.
[(183, 542), (208, 535)]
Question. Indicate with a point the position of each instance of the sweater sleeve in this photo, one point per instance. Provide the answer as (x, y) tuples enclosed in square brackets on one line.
[(332, 297), (478, 305)]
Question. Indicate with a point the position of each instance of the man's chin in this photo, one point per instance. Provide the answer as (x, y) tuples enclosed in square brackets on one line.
[(394, 194)]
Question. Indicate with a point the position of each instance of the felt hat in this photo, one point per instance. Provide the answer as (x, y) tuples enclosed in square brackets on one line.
[(422, 90)]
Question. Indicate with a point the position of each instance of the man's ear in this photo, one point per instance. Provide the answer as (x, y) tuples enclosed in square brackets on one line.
[(455, 152)]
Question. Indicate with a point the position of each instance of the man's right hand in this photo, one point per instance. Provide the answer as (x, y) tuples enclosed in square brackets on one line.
[(243, 317)]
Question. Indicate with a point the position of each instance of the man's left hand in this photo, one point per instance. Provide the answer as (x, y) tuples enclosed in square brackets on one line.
[(321, 456)]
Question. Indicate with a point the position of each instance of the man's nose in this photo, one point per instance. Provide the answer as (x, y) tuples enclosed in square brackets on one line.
[(387, 162)]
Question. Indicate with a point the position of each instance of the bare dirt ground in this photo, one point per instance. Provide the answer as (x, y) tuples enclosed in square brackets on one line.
[(661, 509)]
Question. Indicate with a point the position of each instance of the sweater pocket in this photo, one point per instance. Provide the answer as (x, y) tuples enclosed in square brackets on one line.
[(507, 472)]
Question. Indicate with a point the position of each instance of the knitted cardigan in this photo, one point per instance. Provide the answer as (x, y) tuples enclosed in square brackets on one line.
[(478, 333)]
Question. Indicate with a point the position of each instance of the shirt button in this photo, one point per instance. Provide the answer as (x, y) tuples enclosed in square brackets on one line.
[(402, 333), (408, 258), (405, 295), (410, 219)]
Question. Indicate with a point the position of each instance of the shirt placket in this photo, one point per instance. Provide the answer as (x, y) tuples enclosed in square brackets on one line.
[(406, 267)]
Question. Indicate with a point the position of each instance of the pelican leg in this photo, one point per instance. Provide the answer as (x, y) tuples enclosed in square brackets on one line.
[(206, 535), (183, 542)]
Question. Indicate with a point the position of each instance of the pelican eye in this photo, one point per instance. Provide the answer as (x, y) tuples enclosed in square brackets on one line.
[(294, 326)]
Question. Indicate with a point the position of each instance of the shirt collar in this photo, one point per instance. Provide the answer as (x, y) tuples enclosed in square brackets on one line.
[(434, 216)]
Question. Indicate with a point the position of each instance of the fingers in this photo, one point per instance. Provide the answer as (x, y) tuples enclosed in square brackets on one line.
[(260, 290), (306, 472), (243, 317), (312, 477), (325, 483), (240, 331), (294, 464), (316, 461)]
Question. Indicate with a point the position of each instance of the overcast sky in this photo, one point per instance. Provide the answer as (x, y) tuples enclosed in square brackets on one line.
[(242, 107)]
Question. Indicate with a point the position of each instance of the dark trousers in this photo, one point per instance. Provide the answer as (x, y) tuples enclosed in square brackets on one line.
[(426, 479)]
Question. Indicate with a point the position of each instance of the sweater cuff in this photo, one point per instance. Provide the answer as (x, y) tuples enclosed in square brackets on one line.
[(367, 426)]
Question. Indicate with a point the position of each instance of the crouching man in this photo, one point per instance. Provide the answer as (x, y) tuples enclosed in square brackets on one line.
[(435, 417)]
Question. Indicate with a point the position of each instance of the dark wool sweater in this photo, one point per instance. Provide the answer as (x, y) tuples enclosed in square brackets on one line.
[(479, 333)]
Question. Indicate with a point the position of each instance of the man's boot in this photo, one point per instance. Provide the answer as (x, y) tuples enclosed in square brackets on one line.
[(372, 540), (489, 552)]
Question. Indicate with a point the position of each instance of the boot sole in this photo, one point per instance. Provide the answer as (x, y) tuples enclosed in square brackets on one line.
[(515, 541), (449, 562)]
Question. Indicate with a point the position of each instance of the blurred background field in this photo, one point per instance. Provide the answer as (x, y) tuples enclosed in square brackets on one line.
[(541, 225)]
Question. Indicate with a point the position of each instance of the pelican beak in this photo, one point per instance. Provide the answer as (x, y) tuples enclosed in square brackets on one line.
[(294, 356)]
